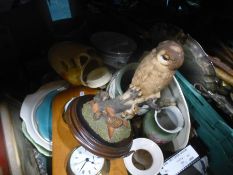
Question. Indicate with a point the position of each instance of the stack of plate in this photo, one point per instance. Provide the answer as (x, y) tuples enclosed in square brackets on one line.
[(36, 112)]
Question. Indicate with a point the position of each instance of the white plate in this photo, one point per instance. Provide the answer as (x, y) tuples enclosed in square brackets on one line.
[(28, 109), (153, 149), (182, 138), (38, 147)]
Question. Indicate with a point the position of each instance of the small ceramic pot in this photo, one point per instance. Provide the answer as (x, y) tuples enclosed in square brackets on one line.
[(121, 80), (162, 127), (169, 119)]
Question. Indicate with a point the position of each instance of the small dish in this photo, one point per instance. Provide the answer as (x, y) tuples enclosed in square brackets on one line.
[(153, 149)]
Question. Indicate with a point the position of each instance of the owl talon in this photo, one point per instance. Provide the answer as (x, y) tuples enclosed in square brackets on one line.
[(135, 92), (126, 115), (153, 105), (140, 94)]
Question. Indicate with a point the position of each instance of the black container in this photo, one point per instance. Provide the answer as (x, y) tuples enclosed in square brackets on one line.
[(115, 48)]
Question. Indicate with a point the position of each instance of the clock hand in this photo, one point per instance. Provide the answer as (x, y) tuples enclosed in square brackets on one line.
[(83, 166)]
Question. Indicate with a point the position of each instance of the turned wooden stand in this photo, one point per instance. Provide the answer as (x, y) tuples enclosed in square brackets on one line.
[(88, 138), (63, 140)]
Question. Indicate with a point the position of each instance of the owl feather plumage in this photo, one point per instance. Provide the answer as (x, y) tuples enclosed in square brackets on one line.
[(157, 68)]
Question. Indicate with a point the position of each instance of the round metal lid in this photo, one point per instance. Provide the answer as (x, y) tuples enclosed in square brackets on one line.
[(113, 43)]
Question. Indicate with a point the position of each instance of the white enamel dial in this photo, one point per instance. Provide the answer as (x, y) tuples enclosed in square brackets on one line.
[(82, 162)]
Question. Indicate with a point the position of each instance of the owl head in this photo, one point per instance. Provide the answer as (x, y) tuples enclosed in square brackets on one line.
[(170, 54)]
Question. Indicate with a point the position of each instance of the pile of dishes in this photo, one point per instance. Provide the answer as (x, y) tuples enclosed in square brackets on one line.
[(36, 112), (166, 129)]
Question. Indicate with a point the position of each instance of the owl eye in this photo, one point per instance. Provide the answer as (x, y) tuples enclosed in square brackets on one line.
[(164, 59)]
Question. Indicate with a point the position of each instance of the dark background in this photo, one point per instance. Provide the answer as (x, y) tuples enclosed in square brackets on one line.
[(27, 33)]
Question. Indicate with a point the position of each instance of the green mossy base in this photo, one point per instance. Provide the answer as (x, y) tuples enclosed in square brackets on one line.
[(100, 126)]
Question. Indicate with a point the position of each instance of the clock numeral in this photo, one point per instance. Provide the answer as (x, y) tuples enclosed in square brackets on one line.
[(89, 171), (83, 171)]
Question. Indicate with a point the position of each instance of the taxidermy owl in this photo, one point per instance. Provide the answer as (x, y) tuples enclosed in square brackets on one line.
[(152, 75)]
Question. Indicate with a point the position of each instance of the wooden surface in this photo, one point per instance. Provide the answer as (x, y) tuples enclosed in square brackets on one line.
[(63, 140)]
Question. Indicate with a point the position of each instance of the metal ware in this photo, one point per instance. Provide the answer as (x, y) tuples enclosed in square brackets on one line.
[(220, 100), (197, 67), (115, 48)]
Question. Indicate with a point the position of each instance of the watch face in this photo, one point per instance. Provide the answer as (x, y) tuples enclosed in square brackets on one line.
[(82, 162)]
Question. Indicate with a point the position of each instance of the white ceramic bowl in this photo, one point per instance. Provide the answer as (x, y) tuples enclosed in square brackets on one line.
[(155, 152), (175, 118), (98, 77)]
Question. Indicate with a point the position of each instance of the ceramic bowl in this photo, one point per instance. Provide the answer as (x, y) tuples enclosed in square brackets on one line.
[(169, 119), (121, 80), (155, 152), (154, 132), (163, 126)]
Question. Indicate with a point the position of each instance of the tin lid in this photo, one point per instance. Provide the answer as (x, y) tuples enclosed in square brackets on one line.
[(112, 43)]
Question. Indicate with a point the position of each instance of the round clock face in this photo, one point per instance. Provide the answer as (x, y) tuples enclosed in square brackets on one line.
[(82, 162)]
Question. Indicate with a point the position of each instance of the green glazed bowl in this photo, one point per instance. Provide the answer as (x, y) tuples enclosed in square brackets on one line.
[(154, 132)]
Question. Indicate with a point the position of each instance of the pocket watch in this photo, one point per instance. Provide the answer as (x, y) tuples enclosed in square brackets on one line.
[(83, 162)]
